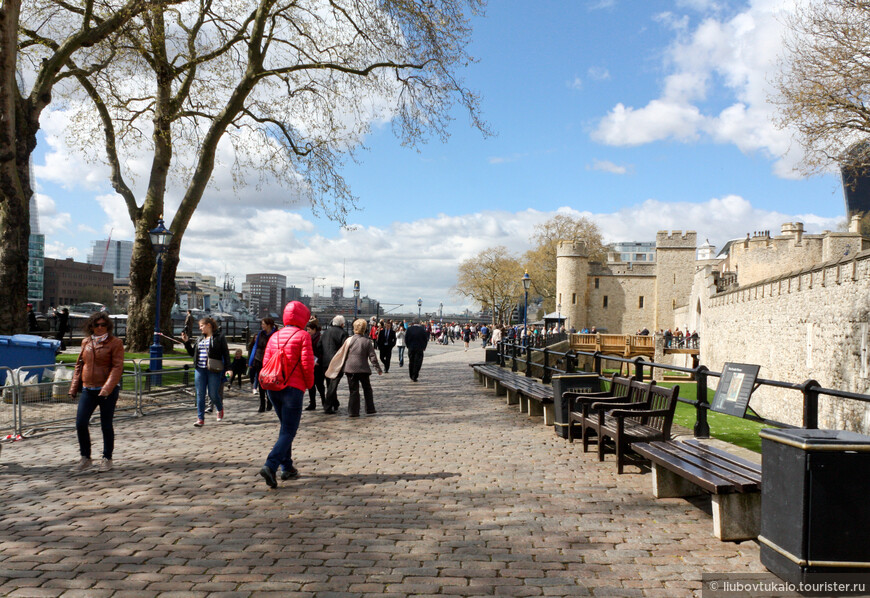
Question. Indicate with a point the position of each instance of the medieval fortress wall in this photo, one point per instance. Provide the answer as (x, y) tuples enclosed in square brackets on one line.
[(797, 305)]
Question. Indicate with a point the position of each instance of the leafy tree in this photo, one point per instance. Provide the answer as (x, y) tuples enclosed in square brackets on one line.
[(492, 280), (540, 261), (38, 42), (292, 85), (823, 87)]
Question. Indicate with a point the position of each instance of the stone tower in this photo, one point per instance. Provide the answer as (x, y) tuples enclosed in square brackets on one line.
[(675, 272), (572, 272)]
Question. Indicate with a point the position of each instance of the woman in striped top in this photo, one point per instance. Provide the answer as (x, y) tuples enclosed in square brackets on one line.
[(211, 356)]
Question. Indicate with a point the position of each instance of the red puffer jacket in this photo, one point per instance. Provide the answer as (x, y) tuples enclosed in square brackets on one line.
[(296, 345)]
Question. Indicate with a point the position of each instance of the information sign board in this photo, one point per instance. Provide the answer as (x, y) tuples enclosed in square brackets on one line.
[(735, 388)]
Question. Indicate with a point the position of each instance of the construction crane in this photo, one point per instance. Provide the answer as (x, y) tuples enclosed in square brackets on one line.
[(314, 280)]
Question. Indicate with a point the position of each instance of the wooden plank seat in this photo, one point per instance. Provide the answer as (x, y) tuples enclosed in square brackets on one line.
[(622, 390), (644, 421), (689, 468), (533, 397)]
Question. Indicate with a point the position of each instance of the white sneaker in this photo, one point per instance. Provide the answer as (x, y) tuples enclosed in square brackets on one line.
[(105, 464), (84, 464)]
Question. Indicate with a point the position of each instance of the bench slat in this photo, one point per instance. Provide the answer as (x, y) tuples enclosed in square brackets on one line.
[(682, 455), (706, 480), (726, 456)]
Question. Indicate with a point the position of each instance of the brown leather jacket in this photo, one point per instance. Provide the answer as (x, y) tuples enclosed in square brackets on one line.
[(99, 365)]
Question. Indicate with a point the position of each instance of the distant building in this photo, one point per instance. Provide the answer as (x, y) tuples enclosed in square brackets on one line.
[(196, 291), (632, 251), (114, 256), (264, 293), (35, 261), (293, 294), (68, 282)]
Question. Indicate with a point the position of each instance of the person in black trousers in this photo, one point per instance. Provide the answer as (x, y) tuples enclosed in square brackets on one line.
[(330, 342), (313, 329), (416, 339), (386, 342)]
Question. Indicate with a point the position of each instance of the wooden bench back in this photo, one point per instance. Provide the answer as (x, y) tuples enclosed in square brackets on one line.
[(620, 385), (638, 391), (665, 400)]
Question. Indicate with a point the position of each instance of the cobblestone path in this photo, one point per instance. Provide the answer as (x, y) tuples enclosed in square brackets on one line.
[(446, 491)]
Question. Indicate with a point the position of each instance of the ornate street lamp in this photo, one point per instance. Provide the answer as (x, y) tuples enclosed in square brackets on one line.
[(527, 282), (355, 299), (419, 305), (160, 237), (559, 317)]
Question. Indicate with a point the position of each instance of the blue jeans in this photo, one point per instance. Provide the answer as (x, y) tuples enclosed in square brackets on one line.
[(288, 408), (401, 356), (205, 380), (88, 403)]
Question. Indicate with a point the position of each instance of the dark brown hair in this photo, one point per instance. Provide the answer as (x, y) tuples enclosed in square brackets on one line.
[(88, 327), (214, 326)]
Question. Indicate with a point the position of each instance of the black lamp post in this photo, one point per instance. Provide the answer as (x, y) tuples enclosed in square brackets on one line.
[(160, 237), (419, 305), (355, 298), (441, 311), (527, 282)]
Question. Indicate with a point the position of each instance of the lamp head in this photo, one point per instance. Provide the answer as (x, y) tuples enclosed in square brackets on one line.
[(527, 280), (160, 236)]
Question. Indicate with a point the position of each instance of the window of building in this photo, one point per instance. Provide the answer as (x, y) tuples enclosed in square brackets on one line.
[(573, 298), (597, 280), (605, 301), (640, 302)]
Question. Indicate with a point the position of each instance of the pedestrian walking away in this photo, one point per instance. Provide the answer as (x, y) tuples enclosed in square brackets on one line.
[(330, 342), (97, 376), (293, 346), (360, 350), (416, 339), (313, 329), (211, 358), (255, 360)]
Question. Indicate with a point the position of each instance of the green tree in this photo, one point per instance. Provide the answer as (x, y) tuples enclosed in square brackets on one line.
[(293, 85), (540, 260), (823, 85), (492, 280), (38, 42)]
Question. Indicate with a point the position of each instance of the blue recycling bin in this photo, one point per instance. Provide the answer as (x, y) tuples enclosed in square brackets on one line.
[(26, 349)]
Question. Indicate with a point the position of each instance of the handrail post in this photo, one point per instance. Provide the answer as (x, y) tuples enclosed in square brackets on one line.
[(702, 428), (638, 368), (528, 360), (570, 361), (810, 390), (596, 362), (514, 356), (501, 353), (546, 376)]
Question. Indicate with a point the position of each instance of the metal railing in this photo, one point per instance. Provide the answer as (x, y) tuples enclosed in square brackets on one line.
[(514, 354)]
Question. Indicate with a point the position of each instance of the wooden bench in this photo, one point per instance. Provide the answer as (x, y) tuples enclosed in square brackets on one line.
[(690, 468), (533, 397), (622, 390), (628, 423)]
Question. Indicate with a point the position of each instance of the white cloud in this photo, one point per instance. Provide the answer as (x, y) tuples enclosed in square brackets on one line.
[(601, 4), (577, 83), (61, 251), (607, 166), (599, 73), (51, 221), (506, 159), (729, 59)]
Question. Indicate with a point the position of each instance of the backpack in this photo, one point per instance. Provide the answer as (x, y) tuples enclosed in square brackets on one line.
[(274, 375)]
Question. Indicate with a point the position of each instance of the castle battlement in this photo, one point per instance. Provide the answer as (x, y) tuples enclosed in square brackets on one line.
[(676, 239), (572, 249)]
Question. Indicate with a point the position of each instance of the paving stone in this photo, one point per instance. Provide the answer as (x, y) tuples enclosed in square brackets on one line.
[(446, 491)]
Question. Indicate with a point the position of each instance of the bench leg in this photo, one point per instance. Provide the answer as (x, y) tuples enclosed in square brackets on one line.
[(667, 484), (500, 390), (512, 397), (549, 415), (524, 404), (488, 382), (535, 408), (736, 516)]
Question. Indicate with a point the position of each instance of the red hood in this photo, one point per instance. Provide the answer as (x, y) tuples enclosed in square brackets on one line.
[(296, 314)]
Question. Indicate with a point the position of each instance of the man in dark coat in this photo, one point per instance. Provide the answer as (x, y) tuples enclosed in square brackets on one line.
[(386, 342), (416, 339), (331, 341)]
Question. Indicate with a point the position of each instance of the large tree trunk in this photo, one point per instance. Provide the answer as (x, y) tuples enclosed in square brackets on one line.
[(143, 290)]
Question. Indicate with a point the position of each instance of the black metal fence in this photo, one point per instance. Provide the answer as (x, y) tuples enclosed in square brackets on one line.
[(550, 362)]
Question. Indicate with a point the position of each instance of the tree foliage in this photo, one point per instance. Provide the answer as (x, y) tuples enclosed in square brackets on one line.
[(492, 280), (293, 85), (823, 87), (39, 42), (540, 260)]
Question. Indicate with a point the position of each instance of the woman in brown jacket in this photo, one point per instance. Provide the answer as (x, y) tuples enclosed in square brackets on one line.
[(98, 377)]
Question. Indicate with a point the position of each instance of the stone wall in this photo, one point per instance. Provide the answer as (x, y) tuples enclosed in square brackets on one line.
[(624, 313), (808, 324), (675, 270)]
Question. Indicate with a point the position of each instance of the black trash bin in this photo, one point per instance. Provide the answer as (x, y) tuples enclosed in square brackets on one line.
[(815, 518), (579, 382)]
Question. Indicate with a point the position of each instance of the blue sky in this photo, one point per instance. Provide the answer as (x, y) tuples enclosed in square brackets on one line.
[(640, 115)]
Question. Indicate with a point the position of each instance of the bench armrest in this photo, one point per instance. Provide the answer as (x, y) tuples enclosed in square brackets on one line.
[(575, 394), (620, 413), (607, 406)]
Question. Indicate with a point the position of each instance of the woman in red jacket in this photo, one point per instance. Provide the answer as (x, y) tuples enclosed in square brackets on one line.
[(295, 346), (98, 376)]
